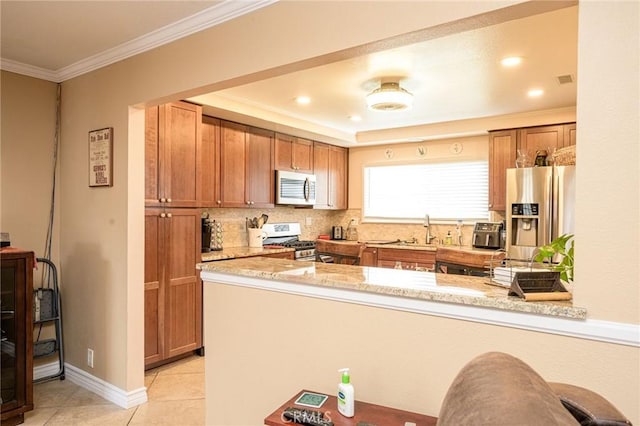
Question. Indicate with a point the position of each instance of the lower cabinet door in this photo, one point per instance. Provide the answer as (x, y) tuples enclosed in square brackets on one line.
[(173, 289)]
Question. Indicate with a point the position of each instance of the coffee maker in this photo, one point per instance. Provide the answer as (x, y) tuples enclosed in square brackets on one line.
[(211, 234)]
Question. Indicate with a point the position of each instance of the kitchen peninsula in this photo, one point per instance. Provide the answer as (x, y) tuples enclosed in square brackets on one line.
[(275, 326)]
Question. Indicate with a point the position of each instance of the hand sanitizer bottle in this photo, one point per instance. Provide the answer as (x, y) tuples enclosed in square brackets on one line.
[(346, 395)]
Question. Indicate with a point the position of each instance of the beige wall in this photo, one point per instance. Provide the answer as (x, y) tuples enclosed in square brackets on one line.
[(28, 130), (269, 346), (101, 240)]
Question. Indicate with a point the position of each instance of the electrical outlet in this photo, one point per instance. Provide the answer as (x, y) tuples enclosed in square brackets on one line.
[(354, 220), (307, 221), (90, 357)]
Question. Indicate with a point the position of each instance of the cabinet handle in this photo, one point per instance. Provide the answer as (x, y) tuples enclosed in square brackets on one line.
[(168, 200), (162, 200), (248, 203), (252, 203), (219, 201), (169, 214), (162, 215)]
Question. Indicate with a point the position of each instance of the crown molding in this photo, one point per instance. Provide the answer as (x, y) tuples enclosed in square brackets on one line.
[(202, 20)]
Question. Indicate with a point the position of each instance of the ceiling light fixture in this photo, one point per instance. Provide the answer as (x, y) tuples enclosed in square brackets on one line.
[(389, 97), (303, 100), (511, 61), (355, 118), (535, 93)]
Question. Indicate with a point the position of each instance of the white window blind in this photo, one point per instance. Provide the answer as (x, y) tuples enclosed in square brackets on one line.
[(444, 191)]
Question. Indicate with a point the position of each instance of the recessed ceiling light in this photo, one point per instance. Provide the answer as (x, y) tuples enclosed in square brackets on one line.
[(535, 93), (511, 61), (303, 100), (355, 118)]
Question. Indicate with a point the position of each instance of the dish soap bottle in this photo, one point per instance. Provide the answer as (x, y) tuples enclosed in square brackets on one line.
[(346, 395), (449, 239)]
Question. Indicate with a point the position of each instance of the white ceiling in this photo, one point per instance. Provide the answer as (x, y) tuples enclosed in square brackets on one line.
[(452, 78)]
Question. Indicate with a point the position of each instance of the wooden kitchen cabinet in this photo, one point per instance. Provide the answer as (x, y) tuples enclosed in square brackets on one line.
[(246, 166), (172, 155), (505, 144), (409, 259), (330, 165), (542, 138), (293, 154), (369, 257), (502, 156), (16, 349), (210, 158), (172, 288)]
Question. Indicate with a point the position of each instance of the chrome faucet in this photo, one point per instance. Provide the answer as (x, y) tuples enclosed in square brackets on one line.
[(429, 237)]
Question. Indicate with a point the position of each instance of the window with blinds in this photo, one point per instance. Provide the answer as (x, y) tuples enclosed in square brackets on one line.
[(444, 191)]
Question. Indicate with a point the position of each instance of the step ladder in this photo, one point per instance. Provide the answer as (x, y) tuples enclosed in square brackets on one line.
[(46, 313)]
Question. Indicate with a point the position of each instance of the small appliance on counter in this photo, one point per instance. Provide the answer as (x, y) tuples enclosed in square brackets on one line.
[(212, 237), (337, 233), (488, 235)]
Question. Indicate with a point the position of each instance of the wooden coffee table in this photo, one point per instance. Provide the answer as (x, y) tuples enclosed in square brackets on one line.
[(365, 415)]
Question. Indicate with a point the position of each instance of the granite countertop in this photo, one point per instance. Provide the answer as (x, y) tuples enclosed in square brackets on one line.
[(240, 252), (457, 289)]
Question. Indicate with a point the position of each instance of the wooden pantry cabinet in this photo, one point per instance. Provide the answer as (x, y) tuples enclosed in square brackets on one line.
[(172, 285), (293, 154), (246, 166), (503, 150), (173, 170), (330, 165)]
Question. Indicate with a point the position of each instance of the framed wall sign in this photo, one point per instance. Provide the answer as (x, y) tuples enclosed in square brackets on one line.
[(101, 157)]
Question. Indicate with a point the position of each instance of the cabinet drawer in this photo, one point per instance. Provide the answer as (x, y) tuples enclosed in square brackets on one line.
[(402, 255)]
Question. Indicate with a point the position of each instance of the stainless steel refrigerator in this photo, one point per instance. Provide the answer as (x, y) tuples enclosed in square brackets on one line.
[(540, 207)]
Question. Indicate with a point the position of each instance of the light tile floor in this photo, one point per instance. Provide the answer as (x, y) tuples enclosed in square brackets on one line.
[(175, 397)]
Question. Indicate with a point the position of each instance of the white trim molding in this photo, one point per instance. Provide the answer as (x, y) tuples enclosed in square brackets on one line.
[(98, 386), (207, 18), (589, 329)]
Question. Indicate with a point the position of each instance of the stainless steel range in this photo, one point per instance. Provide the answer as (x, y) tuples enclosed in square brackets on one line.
[(287, 234)]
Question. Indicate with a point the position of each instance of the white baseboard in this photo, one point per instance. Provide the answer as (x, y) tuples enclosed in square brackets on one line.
[(98, 386)]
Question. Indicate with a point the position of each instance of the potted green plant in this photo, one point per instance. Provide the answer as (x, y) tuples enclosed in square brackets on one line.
[(563, 246)]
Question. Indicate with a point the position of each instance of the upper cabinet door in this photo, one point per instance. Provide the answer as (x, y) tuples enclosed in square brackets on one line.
[(232, 164), (293, 154), (330, 165), (259, 169), (502, 156), (210, 161), (543, 138), (172, 155)]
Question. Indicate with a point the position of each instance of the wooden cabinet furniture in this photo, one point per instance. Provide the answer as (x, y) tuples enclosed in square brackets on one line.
[(293, 154), (246, 166), (542, 138), (365, 414), (409, 259), (330, 165), (502, 156), (505, 144), (16, 347), (173, 289), (210, 162), (369, 257), (172, 155)]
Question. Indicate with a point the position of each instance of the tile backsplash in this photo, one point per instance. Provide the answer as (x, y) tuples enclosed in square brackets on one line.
[(316, 222)]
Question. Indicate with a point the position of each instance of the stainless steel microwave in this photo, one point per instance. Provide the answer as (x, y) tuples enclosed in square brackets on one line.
[(295, 189)]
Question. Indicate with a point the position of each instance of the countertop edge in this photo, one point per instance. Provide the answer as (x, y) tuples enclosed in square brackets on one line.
[(589, 329)]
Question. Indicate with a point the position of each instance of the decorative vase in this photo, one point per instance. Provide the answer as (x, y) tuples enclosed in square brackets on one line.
[(522, 160)]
